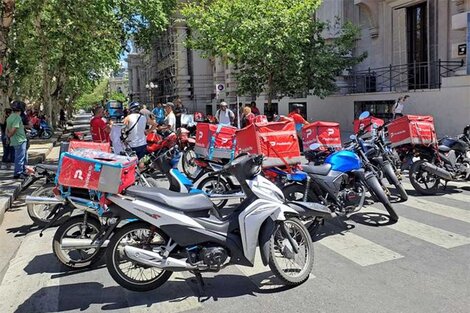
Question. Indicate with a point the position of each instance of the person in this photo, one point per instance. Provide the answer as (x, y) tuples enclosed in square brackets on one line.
[(169, 123), (297, 117), (8, 150), (399, 106), (17, 136), (179, 110), (147, 113), (62, 119), (100, 128), (224, 115), (135, 131), (247, 117), (159, 113), (254, 109)]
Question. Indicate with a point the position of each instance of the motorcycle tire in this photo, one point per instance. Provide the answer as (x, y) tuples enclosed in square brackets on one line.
[(221, 186), (46, 134), (376, 190), (416, 175), (392, 177), (77, 260), (279, 246), (38, 212), (187, 162), (114, 254)]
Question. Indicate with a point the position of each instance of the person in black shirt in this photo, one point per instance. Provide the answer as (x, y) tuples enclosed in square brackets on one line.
[(179, 110), (8, 151)]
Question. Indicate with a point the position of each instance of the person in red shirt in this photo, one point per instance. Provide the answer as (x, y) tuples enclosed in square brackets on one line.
[(254, 109), (100, 129), (297, 117)]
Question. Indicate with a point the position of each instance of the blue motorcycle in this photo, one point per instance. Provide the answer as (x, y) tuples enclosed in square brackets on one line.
[(339, 182), (43, 132)]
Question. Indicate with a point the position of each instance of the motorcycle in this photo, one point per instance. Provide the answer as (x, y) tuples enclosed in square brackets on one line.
[(340, 182), (176, 232), (381, 157), (43, 132), (447, 161)]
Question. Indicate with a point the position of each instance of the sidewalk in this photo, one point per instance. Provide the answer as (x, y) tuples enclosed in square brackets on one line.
[(9, 187)]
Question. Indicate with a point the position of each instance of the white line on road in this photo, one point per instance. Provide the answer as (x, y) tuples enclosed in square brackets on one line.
[(439, 209), (434, 235), (359, 250)]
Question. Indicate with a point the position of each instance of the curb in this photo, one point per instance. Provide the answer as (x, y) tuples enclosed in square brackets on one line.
[(6, 200)]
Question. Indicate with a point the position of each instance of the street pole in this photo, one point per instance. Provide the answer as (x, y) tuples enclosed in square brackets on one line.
[(238, 113)]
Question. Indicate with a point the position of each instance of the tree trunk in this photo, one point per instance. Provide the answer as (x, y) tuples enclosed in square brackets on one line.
[(7, 11), (270, 92)]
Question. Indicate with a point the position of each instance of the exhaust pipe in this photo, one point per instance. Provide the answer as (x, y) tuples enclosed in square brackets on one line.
[(439, 172), (156, 260), (78, 243), (43, 200)]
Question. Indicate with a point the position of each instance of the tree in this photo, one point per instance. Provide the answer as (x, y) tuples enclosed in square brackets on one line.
[(276, 45), (61, 49)]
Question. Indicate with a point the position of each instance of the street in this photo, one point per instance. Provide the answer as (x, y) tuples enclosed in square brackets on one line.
[(419, 264)]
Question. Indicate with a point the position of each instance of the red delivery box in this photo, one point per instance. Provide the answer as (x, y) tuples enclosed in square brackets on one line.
[(78, 144), (96, 170), (327, 134), (367, 124), (215, 141), (412, 129), (277, 141)]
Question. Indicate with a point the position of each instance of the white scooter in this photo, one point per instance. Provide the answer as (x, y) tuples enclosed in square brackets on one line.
[(177, 232)]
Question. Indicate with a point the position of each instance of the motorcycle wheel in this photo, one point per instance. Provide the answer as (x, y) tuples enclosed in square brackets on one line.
[(128, 273), (77, 258), (46, 134), (283, 261), (189, 167), (39, 212), (423, 182), (212, 185), (391, 177), (376, 190)]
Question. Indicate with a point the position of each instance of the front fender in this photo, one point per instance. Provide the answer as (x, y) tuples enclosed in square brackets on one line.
[(265, 233)]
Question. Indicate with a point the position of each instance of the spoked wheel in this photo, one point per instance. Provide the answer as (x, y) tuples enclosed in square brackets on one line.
[(39, 212), (189, 166), (46, 134), (77, 228), (131, 274), (293, 268), (212, 185), (423, 182)]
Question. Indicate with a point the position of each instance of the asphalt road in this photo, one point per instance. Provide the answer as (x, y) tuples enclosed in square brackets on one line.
[(420, 264)]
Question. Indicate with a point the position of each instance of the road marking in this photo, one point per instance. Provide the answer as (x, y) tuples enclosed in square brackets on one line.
[(457, 196), (439, 209), (434, 235), (261, 275), (359, 250), (176, 296)]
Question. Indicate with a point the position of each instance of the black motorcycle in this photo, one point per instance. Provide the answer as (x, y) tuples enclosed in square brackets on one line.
[(447, 161)]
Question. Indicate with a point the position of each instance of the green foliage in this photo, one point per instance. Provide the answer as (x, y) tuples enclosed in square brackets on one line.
[(119, 96), (277, 45), (96, 97)]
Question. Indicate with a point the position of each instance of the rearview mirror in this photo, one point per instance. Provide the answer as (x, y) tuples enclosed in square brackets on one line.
[(352, 137), (364, 115), (314, 146)]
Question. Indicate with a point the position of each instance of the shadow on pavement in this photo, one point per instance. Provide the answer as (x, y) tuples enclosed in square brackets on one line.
[(22, 231), (81, 296), (45, 263), (371, 219)]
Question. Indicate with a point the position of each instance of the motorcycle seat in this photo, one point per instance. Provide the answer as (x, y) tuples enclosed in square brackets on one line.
[(184, 202), (323, 169), (48, 167), (443, 148)]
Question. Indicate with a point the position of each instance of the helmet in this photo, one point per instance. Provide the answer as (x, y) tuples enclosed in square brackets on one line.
[(134, 106), (466, 131), (18, 105)]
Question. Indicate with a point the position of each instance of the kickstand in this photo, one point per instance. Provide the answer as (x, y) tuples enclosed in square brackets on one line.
[(200, 286)]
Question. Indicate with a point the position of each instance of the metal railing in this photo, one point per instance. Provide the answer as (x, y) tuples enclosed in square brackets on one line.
[(403, 77)]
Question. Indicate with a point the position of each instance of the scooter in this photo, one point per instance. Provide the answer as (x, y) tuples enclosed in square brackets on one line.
[(44, 131), (177, 232)]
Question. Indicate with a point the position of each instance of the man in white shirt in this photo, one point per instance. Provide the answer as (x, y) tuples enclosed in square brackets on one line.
[(135, 129), (399, 106), (169, 123), (224, 115)]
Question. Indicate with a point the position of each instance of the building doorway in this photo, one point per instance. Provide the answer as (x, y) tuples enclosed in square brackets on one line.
[(417, 46), (378, 108)]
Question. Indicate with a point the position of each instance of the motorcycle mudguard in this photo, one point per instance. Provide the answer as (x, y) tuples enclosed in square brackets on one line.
[(265, 234)]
